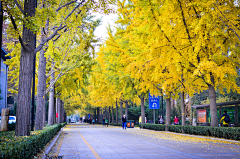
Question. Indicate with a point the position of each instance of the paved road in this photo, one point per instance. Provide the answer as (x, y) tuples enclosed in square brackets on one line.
[(95, 141)]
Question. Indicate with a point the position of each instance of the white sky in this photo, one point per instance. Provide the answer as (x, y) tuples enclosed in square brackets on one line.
[(101, 30)]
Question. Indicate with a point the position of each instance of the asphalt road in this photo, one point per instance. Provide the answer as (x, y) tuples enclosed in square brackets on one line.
[(96, 141)]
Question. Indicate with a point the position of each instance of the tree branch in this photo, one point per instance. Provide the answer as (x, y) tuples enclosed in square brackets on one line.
[(19, 7), (49, 38), (66, 5), (19, 37)]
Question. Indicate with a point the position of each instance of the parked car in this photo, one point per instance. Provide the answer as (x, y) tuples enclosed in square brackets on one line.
[(73, 120), (12, 119)]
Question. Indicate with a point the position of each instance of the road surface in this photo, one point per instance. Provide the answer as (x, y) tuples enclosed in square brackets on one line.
[(97, 141)]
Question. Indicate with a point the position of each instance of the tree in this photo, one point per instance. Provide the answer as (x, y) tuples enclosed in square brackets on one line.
[(26, 17)]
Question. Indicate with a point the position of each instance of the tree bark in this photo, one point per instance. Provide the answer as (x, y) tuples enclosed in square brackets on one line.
[(25, 75), (54, 111), (106, 113), (121, 108), (168, 112), (109, 114), (41, 87), (62, 112), (59, 105), (51, 98), (126, 109), (143, 110), (98, 116), (213, 106), (5, 119), (116, 112), (112, 115), (44, 110), (183, 110)]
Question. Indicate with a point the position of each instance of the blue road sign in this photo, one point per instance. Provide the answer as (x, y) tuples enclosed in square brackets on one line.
[(153, 102)]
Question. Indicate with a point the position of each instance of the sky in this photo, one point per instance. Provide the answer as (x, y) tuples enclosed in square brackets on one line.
[(101, 30)]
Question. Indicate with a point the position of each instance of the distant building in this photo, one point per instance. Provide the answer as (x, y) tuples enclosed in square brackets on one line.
[(3, 80)]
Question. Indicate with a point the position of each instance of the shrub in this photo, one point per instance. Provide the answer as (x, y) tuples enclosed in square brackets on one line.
[(157, 127), (220, 132), (27, 146), (114, 124), (175, 128)]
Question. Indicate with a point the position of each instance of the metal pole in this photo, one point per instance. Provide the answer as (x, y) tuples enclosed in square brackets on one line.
[(153, 116), (1, 23), (162, 105), (33, 86)]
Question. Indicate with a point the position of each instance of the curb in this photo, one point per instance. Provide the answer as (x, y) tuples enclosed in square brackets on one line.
[(199, 136), (48, 149), (205, 137)]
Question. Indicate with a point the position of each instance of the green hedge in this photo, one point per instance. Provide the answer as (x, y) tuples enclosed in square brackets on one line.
[(114, 124), (220, 132), (27, 146)]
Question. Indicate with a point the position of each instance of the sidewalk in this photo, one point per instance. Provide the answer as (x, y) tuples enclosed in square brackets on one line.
[(97, 141)]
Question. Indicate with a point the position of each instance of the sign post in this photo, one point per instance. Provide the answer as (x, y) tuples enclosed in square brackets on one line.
[(153, 104)]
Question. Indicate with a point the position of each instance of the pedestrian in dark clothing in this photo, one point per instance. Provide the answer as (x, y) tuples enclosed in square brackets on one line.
[(161, 120), (103, 121), (106, 122), (225, 118), (124, 120)]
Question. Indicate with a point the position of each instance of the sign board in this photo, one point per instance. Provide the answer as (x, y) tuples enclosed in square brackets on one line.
[(153, 102), (202, 116)]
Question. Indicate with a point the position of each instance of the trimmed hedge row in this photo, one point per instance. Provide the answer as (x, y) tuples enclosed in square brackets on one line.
[(114, 124), (28, 146), (220, 132)]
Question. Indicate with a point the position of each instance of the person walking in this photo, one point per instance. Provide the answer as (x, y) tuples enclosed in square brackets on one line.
[(176, 120), (225, 118), (106, 122), (93, 121), (124, 120), (103, 121), (161, 120), (140, 120)]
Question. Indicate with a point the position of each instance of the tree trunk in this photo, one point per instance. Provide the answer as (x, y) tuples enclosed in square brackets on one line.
[(126, 109), (168, 112), (5, 119), (183, 110), (98, 116), (44, 110), (106, 113), (213, 106), (41, 87), (116, 112), (112, 115), (62, 112), (142, 110), (59, 105), (109, 114), (101, 115), (54, 111), (25, 76), (121, 108), (51, 98)]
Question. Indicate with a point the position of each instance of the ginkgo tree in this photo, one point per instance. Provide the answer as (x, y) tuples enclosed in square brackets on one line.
[(187, 40), (23, 13), (181, 46)]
